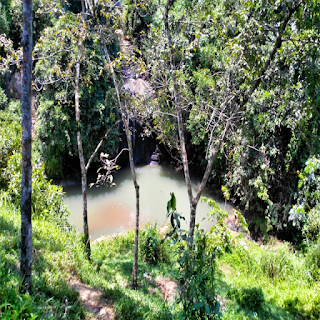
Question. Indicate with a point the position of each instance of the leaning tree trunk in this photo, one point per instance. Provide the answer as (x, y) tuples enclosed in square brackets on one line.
[(26, 171), (184, 155), (125, 120), (81, 158), (238, 107)]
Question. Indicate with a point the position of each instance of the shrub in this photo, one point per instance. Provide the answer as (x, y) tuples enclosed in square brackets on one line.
[(305, 214), (153, 249), (47, 199), (10, 137), (250, 298), (313, 260), (197, 269)]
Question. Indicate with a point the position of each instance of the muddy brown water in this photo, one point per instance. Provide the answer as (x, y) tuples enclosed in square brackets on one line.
[(112, 209)]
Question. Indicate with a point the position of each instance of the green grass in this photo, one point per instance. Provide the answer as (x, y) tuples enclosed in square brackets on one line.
[(58, 256), (273, 282), (55, 254), (113, 261), (269, 283)]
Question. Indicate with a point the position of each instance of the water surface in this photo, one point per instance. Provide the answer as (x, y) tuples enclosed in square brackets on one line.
[(112, 209)]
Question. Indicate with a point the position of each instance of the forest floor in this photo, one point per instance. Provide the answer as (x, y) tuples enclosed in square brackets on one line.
[(93, 301)]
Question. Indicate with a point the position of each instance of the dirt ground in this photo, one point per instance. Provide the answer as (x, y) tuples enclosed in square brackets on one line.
[(93, 301)]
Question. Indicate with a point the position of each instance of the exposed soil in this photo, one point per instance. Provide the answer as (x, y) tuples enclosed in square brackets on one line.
[(93, 301), (167, 287), (234, 227)]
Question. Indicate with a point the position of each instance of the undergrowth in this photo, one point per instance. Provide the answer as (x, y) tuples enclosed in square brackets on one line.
[(272, 282), (55, 255), (251, 281)]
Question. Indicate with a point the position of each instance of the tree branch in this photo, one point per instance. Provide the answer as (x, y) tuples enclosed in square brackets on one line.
[(99, 144)]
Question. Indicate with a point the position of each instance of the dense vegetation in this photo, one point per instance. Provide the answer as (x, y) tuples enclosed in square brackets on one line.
[(243, 78), (221, 54), (273, 282)]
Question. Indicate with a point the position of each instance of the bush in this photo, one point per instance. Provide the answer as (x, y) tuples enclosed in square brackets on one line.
[(10, 137), (305, 214), (250, 298), (197, 278), (153, 249), (3, 97), (197, 269), (313, 260), (47, 199)]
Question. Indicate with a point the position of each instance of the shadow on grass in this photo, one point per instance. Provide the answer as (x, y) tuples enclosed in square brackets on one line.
[(146, 301), (51, 297), (251, 303)]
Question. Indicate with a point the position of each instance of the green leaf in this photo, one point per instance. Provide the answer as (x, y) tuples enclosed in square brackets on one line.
[(171, 203), (198, 305)]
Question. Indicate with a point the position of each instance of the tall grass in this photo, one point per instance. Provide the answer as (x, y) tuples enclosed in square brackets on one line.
[(289, 287), (55, 254)]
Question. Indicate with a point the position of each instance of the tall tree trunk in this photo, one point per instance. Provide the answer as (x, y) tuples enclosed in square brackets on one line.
[(81, 158), (238, 106), (184, 155), (26, 123), (125, 120)]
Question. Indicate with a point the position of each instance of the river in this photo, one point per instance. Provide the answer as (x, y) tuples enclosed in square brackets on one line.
[(112, 209)]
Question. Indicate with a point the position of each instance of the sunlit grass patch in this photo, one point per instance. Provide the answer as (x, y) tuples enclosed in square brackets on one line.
[(279, 274), (51, 297)]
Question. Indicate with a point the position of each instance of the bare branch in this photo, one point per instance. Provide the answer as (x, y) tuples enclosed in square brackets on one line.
[(100, 143)]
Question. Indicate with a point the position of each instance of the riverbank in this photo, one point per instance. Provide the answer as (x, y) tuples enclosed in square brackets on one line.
[(252, 282)]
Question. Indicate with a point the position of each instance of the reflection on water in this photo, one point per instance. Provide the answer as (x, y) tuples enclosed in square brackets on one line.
[(112, 209)]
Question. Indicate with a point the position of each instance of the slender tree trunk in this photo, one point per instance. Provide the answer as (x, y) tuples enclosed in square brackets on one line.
[(184, 155), (26, 182), (125, 120), (238, 106), (81, 158)]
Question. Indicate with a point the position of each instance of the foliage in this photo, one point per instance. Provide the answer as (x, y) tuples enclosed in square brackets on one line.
[(219, 53), (57, 129), (10, 137), (197, 268), (4, 19), (3, 99), (47, 198), (220, 239), (152, 248), (313, 259), (305, 214), (138, 16)]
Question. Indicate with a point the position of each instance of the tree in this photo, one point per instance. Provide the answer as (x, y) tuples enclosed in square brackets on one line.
[(63, 65), (26, 187), (125, 116), (210, 97), (125, 121)]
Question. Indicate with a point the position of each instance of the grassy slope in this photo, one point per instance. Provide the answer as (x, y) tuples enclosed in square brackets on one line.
[(55, 256), (274, 281), (275, 284), (58, 256)]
